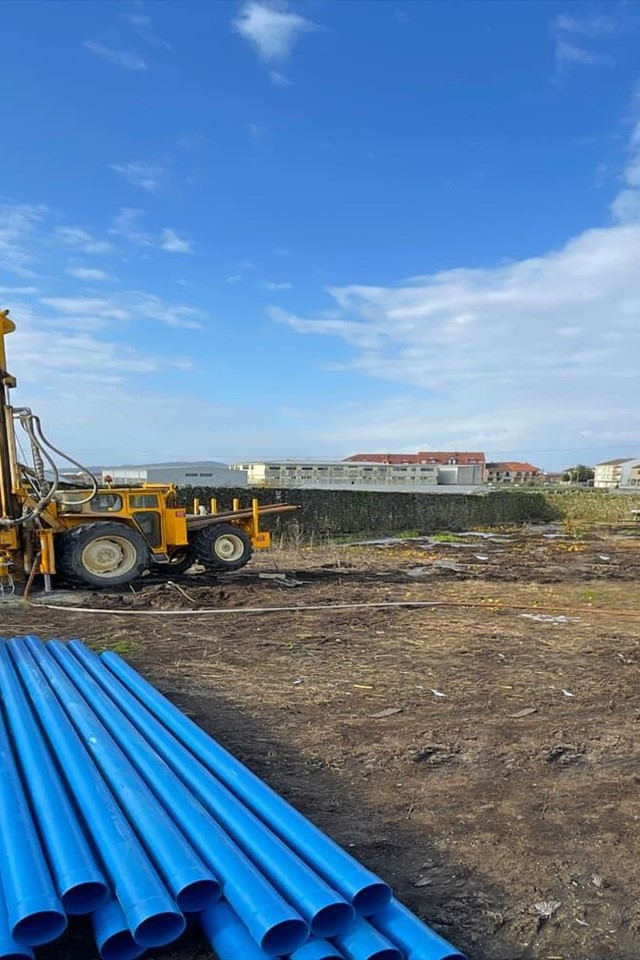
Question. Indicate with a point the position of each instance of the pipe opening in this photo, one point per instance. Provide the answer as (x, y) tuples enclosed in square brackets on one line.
[(159, 929), (17, 956), (371, 899), (284, 937), (120, 946), (332, 920), (85, 897), (386, 953), (39, 928), (199, 895)]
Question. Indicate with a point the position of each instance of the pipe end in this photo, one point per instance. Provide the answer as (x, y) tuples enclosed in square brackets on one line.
[(284, 937), (372, 898), (332, 919)]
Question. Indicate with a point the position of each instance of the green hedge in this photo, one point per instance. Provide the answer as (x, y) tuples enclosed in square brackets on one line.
[(333, 513)]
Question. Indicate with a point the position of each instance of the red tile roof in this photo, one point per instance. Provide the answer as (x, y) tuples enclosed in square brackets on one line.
[(423, 456), (514, 466)]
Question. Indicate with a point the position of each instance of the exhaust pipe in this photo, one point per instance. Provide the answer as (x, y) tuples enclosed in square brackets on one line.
[(152, 915)]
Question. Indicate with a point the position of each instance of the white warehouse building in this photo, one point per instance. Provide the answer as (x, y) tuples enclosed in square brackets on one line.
[(206, 473), (339, 473)]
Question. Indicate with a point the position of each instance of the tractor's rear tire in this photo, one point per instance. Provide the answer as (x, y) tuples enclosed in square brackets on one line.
[(222, 546), (105, 554)]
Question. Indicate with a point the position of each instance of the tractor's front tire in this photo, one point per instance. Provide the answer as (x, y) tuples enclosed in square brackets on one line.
[(222, 546), (105, 554)]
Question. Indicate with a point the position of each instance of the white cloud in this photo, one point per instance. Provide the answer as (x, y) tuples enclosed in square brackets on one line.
[(589, 26), (568, 51), (18, 291), (270, 285), (273, 30), (122, 58), (88, 273), (626, 206), (149, 176), (126, 225), (76, 237), (174, 243), (234, 278), (18, 232), (143, 26), (279, 79), (503, 357), (131, 305)]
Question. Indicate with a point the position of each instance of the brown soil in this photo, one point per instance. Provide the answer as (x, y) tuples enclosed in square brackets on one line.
[(517, 787)]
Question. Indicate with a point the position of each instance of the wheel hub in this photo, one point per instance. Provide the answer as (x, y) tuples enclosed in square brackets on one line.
[(106, 556), (228, 547)]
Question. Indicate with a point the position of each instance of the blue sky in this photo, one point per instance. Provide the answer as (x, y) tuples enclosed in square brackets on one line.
[(233, 230)]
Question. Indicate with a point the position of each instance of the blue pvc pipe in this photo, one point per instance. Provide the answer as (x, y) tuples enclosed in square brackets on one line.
[(326, 912), (112, 935), (416, 940), (359, 886), (362, 942), (186, 876), (79, 881), (317, 950), (10, 949), (271, 921), (35, 913), (228, 936), (152, 915)]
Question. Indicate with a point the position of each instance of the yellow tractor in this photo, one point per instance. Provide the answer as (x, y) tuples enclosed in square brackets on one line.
[(102, 535)]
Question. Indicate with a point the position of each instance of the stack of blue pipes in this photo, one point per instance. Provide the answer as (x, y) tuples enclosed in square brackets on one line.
[(114, 804)]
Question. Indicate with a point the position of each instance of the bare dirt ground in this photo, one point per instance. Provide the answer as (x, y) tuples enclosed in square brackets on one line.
[(482, 755)]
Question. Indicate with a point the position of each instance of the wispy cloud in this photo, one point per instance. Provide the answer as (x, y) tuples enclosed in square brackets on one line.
[(148, 176), (18, 223), (121, 58), (234, 278), (127, 225), (626, 205), (588, 26), (270, 285), (569, 35), (129, 305), (143, 26), (279, 79), (89, 274), (272, 30), (173, 243), (83, 241)]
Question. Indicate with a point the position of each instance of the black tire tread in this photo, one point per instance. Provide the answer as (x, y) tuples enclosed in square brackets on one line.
[(203, 543), (69, 546)]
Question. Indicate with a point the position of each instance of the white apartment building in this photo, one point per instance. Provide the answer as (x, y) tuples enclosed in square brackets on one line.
[(311, 473), (612, 474)]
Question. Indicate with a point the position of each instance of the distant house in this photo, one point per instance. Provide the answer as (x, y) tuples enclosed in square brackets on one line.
[(205, 473), (513, 471), (611, 474), (453, 467)]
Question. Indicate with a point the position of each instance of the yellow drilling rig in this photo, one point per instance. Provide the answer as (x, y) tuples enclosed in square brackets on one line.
[(100, 535)]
